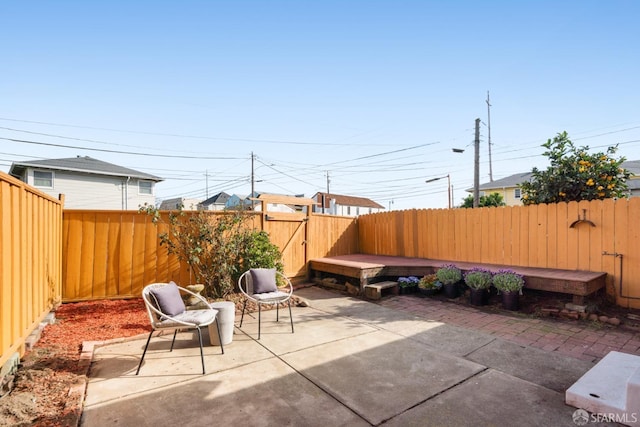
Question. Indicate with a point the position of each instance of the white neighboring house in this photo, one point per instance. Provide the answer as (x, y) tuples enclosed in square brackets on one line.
[(175, 203), (88, 183), (337, 204)]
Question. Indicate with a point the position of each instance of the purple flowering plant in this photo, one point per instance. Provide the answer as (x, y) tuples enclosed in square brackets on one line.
[(449, 274), (508, 281), (478, 278)]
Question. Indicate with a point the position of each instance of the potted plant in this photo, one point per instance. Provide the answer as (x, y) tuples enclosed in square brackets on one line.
[(450, 275), (408, 285), (429, 285), (479, 281), (509, 284)]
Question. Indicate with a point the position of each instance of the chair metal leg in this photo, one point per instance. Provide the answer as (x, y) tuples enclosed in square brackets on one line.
[(201, 352), (259, 319), (243, 307), (219, 336), (277, 312), (144, 352), (174, 339), (290, 316)]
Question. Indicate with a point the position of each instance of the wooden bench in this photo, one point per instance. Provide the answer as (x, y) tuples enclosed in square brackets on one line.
[(374, 291), (364, 268)]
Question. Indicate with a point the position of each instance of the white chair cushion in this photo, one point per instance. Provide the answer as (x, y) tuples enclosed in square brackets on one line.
[(277, 295), (195, 317)]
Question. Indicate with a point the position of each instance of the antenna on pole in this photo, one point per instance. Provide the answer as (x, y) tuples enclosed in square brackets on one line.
[(489, 136)]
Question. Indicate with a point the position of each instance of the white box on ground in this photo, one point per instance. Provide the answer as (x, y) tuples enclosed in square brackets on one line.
[(611, 387)]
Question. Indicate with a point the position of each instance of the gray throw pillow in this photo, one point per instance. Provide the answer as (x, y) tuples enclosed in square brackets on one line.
[(263, 279), (169, 299)]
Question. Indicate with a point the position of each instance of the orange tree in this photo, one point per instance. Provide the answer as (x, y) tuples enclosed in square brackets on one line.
[(575, 174)]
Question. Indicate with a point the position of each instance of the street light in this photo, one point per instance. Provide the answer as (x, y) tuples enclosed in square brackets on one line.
[(448, 176)]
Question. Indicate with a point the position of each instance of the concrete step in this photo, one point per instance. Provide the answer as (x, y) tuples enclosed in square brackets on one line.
[(611, 389)]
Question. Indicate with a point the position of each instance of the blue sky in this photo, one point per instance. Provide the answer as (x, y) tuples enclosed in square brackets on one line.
[(374, 94)]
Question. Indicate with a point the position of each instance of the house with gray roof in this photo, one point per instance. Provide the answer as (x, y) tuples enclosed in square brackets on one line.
[(184, 203), (218, 202), (89, 183)]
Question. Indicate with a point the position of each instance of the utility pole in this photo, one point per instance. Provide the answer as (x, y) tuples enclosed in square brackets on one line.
[(489, 136), (476, 167), (328, 182), (253, 180), (206, 181), (328, 198)]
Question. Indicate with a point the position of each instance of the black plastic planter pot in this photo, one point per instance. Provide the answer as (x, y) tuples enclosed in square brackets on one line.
[(428, 292), (451, 290), (479, 296), (407, 290), (511, 300)]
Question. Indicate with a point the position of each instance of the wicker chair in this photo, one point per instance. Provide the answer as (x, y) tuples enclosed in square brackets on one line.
[(167, 311), (259, 285)]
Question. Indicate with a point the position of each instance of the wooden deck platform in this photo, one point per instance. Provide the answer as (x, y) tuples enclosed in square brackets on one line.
[(366, 268)]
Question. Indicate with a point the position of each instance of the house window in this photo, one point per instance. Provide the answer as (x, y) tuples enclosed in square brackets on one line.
[(145, 187), (43, 179), (348, 210), (516, 193)]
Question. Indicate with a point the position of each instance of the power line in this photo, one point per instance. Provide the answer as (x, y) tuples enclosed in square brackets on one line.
[(103, 150), (175, 135)]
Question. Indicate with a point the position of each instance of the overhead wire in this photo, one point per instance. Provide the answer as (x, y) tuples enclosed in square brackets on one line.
[(175, 135), (362, 165)]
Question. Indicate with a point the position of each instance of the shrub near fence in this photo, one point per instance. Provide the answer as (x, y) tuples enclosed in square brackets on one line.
[(30, 261), (546, 236)]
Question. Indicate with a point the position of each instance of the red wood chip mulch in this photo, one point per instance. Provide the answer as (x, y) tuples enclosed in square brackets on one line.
[(41, 394)]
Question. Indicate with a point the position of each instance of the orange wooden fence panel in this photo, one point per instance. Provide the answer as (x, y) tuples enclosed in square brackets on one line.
[(30, 261), (532, 236), (113, 254), (537, 236)]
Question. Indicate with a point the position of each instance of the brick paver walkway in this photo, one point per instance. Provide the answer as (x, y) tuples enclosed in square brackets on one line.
[(580, 339)]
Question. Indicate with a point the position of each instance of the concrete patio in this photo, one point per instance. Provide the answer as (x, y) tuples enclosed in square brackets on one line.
[(350, 362)]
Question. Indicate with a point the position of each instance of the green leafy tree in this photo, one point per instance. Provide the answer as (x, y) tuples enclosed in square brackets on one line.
[(575, 174), (217, 247), (493, 199)]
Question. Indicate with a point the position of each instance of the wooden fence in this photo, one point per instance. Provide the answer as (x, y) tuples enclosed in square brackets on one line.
[(549, 236), (112, 254), (30, 261), (48, 255)]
